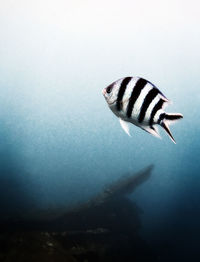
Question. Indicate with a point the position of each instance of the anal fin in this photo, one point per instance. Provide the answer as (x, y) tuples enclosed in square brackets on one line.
[(124, 126), (152, 130), (166, 128)]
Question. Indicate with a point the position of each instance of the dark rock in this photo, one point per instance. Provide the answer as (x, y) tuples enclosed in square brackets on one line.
[(106, 228)]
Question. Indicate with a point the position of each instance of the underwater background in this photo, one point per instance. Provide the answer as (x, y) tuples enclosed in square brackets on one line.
[(59, 142)]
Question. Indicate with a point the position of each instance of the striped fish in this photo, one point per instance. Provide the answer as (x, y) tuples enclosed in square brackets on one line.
[(138, 101)]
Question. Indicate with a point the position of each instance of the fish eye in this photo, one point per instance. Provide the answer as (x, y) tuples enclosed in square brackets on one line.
[(109, 89)]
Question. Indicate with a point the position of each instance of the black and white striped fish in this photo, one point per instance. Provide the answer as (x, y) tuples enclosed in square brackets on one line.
[(138, 101)]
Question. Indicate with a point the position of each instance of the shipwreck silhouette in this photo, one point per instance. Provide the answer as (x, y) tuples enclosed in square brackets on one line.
[(105, 228)]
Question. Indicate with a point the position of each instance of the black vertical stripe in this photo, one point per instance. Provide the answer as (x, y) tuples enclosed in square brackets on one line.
[(155, 109), (135, 94), (147, 101), (161, 117), (121, 92)]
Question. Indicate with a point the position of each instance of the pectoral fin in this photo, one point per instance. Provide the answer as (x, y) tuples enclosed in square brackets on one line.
[(125, 126)]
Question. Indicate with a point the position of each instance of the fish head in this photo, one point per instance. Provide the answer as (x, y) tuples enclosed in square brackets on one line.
[(110, 94)]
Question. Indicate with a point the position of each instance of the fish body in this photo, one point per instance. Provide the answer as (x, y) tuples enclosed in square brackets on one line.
[(138, 101)]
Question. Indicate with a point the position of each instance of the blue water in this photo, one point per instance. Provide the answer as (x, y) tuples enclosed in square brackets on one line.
[(59, 142)]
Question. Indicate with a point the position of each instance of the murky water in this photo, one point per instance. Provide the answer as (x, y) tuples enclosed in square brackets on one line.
[(59, 142)]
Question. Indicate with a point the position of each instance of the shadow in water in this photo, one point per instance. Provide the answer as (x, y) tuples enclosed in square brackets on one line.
[(14, 196)]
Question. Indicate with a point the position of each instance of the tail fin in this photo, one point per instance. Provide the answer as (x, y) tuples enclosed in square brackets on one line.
[(169, 119), (173, 117)]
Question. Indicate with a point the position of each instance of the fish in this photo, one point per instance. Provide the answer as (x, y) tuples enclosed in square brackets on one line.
[(137, 101)]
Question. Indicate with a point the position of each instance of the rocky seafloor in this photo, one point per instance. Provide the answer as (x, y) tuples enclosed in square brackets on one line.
[(106, 228)]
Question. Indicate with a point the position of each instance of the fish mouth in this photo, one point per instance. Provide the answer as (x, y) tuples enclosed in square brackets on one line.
[(104, 91)]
